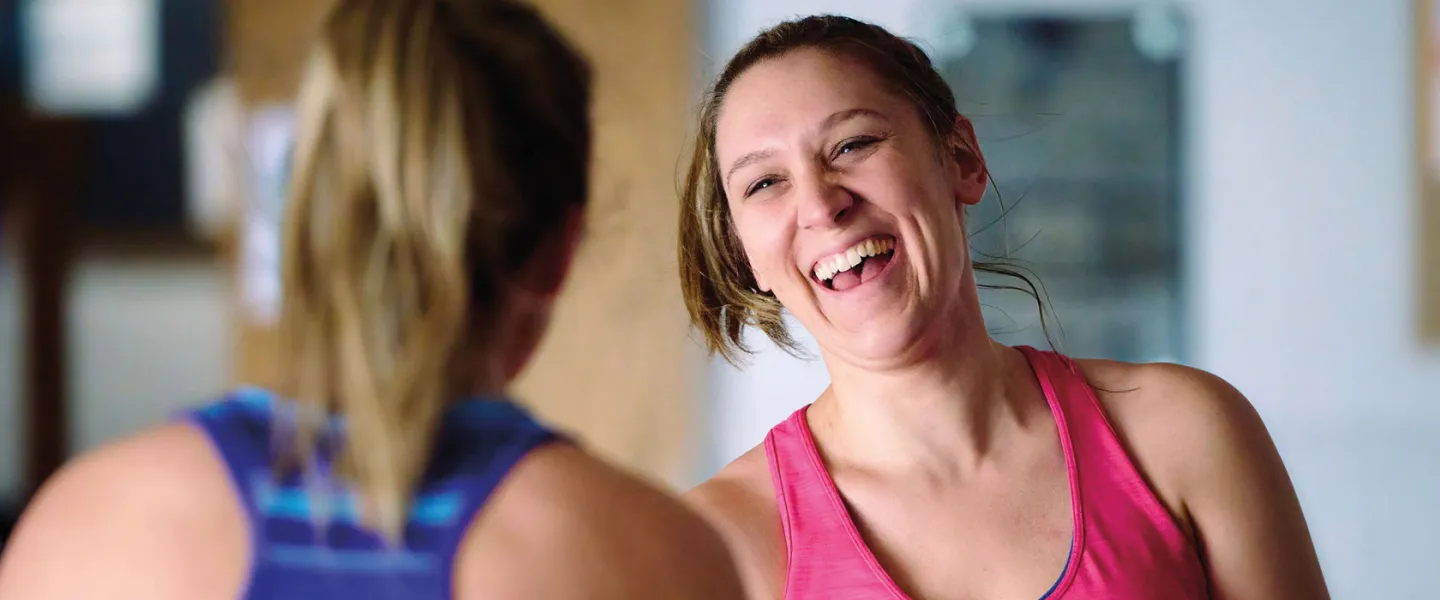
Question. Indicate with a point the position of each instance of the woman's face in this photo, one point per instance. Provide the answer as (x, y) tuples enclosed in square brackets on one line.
[(847, 209)]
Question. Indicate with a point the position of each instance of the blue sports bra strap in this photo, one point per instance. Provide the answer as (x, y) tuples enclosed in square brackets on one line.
[(238, 429), (485, 473)]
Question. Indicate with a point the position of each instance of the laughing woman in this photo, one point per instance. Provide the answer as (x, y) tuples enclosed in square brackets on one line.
[(830, 180)]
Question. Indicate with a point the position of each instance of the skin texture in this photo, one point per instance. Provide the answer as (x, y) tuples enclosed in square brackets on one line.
[(155, 516), (939, 438)]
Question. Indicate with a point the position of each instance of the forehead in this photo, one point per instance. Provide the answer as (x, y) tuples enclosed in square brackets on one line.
[(793, 93)]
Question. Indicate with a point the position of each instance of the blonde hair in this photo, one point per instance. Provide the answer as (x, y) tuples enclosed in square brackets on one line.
[(439, 143)]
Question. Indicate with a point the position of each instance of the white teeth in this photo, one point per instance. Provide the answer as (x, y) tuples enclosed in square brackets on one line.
[(849, 259)]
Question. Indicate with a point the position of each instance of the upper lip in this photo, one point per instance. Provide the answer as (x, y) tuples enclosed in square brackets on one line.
[(841, 247)]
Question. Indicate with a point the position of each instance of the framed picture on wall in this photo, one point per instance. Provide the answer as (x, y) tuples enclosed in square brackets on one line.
[(1099, 230), (1427, 85)]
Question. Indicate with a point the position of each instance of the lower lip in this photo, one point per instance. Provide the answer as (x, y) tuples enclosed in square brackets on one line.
[(894, 258)]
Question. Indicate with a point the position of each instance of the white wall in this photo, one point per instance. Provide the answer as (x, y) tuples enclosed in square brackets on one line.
[(148, 335), (1300, 263), (146, 338)]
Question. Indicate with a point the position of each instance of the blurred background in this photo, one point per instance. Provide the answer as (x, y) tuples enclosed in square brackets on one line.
[(1244, 186)]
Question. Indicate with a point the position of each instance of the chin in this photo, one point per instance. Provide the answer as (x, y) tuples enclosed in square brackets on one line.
[(879, 341)]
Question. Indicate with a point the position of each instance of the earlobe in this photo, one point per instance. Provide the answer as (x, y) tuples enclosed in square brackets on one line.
[(970, 188)]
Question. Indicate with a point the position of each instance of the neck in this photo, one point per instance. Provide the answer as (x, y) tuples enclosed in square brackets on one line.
[(478, 375), (496, 356), (942, 411), (485, 369)]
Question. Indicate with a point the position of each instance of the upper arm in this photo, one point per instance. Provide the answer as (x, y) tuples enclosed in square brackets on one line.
[(746, 518), (1224, 469), (686, 548), (126, 517), (565, 525)]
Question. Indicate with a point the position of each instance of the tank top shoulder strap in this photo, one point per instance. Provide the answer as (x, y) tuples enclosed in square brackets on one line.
[(800, 481), (1096, 446), (238, 427), (480, 442), (824, 549), (1067, 391), (1125, 528)]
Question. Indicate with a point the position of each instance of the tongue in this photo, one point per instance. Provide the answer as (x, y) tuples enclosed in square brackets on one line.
[(872, 267), (848, 279), (868, 269)]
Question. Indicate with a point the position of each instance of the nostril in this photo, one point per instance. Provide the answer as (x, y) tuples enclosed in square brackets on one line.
[(845, 204)]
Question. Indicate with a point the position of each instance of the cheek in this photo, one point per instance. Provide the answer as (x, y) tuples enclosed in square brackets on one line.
[(928, 193), (893, 183), (766, 237)]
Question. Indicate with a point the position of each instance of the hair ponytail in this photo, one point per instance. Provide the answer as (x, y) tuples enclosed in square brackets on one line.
[(400, 210)]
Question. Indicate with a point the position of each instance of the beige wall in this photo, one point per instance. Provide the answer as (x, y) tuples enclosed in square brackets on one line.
[(616, 365)]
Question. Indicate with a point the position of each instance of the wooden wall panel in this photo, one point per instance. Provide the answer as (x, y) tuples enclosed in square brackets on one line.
[(1427, 79), (268, 42), (616, 367), (617, 363)]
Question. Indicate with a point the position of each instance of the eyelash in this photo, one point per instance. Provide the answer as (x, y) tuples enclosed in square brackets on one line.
[(760, 185), (855, 144)]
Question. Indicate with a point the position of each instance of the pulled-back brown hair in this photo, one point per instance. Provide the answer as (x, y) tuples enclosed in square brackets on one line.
[(719, 287), (439, 143)]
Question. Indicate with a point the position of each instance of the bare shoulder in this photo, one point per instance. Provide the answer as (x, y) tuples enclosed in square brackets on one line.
[(1174, 409), (741, 496), (740, 502), (593, 531), (1176, 421), (1179, 400), (150, 516), (1208, 455)]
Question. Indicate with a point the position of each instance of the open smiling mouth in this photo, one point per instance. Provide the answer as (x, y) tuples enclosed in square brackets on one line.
[(860, 263)]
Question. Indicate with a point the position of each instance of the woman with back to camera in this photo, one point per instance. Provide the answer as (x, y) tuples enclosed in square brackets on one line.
[(440, 179), (830, 178)]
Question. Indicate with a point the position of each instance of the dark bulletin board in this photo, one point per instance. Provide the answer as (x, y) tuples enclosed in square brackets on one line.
[(132, 170)]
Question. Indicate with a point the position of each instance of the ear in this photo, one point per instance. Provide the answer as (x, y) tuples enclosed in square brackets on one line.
[(967, 169), (545, 272)]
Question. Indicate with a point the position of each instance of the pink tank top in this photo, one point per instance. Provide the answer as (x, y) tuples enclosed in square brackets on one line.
[(1126, 546)]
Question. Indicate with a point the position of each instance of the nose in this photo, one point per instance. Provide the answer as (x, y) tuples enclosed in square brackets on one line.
[(823, 204)]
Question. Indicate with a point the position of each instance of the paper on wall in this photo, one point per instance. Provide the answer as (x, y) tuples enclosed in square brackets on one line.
[(269, 133)]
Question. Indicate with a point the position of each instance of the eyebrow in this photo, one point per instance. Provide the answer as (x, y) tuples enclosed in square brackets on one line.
[(829, 123), (846, 115), (747, 160)]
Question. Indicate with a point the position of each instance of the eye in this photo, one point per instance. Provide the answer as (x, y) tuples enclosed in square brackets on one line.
[(759, 185), (854, 145)]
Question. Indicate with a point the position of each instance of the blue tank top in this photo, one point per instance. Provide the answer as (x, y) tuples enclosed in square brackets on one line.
[(318, 551)]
